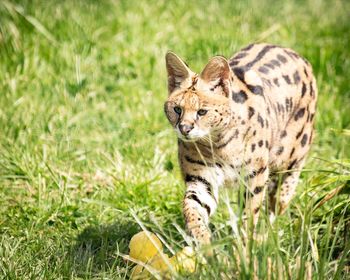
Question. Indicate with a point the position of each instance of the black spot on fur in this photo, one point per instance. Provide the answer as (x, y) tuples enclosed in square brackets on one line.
[(303, 90), (300, 133), (275, 62), (239, 97), (261, 143), (253, 147), (275, 81), (287, 79), (261, 121), (304, 140), (283, 134), (258, 90), (296, 77), (311, 90), (247, 48), (291, 165), (260, 55), (233, 62), (281, 58), (312, 117), (251, 112), (263, 70), (299, 114), (258, 190), (280, 151), (239, 72), (269, 65)]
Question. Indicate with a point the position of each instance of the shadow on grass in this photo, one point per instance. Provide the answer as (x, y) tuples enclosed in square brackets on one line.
[(96, 248)]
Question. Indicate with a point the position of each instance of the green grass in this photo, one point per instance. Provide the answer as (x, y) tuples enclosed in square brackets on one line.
[(85, 147)]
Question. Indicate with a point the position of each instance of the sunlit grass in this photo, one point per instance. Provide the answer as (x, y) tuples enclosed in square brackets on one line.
[(85, 147)]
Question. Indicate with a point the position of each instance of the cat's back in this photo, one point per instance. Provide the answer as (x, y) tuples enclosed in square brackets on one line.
[(289, 94)]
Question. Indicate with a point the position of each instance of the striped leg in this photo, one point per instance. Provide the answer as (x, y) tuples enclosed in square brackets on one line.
[(199, 204), (287, 190), (257, 192)]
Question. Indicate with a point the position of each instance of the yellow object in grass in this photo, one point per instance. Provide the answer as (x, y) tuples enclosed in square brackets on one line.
[(144, 245), (185, 260), (160, 264), (147, 248)]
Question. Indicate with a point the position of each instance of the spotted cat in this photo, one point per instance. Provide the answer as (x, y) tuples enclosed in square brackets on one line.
[(241, 120)]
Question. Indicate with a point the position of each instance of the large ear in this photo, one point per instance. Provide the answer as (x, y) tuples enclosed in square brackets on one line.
[(216, 75), (178, 72)]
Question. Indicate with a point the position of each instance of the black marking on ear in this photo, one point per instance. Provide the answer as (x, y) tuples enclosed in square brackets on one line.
[(239, 97)]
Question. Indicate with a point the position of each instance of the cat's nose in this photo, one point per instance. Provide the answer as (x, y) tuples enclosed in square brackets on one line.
[(185, 128)]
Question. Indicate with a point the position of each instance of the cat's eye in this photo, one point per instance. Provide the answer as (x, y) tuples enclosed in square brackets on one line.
[(202, 112), (177, 110)]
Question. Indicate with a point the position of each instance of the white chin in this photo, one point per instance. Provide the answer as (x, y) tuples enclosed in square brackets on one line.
[(192, 136)]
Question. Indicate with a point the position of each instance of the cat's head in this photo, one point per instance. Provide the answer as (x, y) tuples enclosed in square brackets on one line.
[(198, 106)]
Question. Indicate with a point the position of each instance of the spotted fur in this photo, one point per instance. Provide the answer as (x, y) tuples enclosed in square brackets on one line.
[(247, 118)]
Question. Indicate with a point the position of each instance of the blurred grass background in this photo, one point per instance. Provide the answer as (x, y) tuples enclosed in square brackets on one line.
[(84, 141)]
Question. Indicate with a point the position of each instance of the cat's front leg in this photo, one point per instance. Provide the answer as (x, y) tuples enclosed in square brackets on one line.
[(199, 204)]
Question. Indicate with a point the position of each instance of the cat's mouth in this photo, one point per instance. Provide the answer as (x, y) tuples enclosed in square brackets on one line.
[(192, 136)]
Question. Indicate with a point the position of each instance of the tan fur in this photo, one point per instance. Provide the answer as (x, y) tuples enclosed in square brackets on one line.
[(243, 119)]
